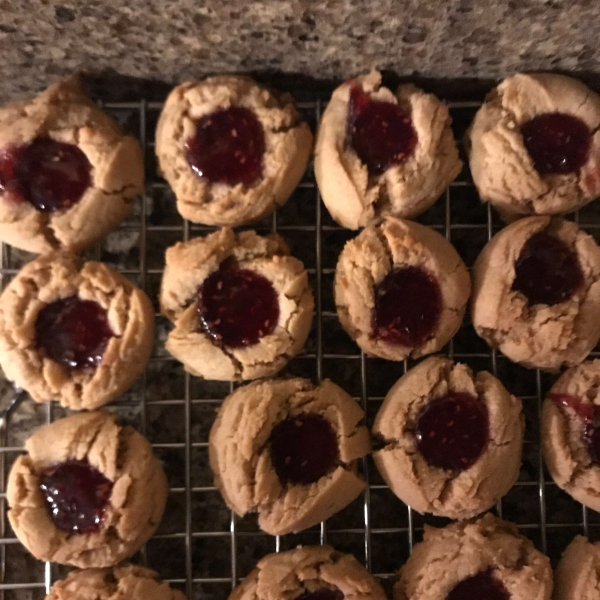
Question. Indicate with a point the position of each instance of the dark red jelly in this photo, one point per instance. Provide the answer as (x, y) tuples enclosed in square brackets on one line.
[(322, 594), (76, 496), (408, 304), (381, 133), (557, 143), (452, 431), (237, 307), (547, 271), (228, 146), (304, 448), (73, 332), (48, 174), (483, 586)]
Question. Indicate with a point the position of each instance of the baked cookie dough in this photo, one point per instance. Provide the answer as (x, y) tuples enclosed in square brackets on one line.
[(241, 305), (401, 289), (68, 173), (128, 581), (74, 331), (231, 150), (310, 573), (288, 450), (534, 146), (486, 558), (536, 293), (452, 439), (378, 153), (570, 434), (88, 492), (577, 576)]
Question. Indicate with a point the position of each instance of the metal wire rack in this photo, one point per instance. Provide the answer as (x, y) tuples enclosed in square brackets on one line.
[(203, 548)]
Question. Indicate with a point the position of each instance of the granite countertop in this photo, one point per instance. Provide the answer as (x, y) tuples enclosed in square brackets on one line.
[(170, 41)]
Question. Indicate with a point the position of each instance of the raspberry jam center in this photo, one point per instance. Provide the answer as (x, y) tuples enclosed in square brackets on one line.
[(481, 586), (408, 304), (557, 143), (48, 174), (76, 496), (228, 147), (73, 332), (381, 133), (237, 307), (322, 594), (452, 431), (547, 271), (304, 448)]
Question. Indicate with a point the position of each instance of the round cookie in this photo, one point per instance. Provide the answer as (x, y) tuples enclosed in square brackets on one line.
[(128, 581), (74, 331), (452, 439), (241, 305), (534, 146), (68, 173), (288, 450), (536, 293), (231, 150), (577, 575), (401, 289), (378, 153), (570, 435), (88, 492), (310, 573), (486, 558)]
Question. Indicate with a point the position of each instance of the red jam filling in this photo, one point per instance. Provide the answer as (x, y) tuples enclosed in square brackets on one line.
[(304, 448), (483, 586), (48, 174), (76, 496), (228, 147), (408, 304), (381, 133), (547, 271), (73, 332)]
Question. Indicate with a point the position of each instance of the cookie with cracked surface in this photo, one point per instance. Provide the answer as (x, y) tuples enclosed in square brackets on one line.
[(534, 146), (127, 581), (380, 153), (88, 492), (577, 576), (487, 558), (570, 432), (288, 450), (231, 149), (68, 174), (241, 305), (310, 573), (401, 289), (536, 293), (452, 439), (74, 331)]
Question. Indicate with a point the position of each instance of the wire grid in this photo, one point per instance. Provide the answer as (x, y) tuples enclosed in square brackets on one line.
[(203, 548)]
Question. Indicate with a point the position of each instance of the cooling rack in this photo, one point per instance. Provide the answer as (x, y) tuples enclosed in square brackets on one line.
[(201, 547)]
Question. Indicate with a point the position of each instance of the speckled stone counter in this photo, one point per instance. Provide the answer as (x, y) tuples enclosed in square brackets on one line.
[(170, 41)]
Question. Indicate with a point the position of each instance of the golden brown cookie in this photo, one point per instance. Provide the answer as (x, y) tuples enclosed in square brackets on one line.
[(486, 558), (378, 153), (68, 173), (74, 331), (534, 146), (288, 450), (128, 581), (311, 573), (401, 289), (452, 439), (577, 576), (241, 305), (536, 293), (231, 150), (87, 493), (569, 434)]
